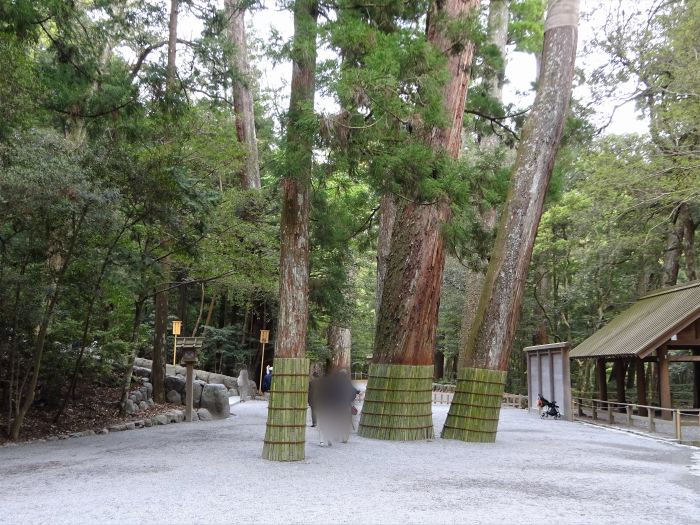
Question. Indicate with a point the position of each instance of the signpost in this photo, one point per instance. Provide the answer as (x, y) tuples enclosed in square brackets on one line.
[(264, 338), (189, 347), (177, 326)]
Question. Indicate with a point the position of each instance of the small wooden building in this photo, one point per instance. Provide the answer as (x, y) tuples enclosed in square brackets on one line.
[(548, 375), (662, 327)]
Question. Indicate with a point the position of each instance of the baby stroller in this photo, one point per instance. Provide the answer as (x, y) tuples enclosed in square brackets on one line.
[(550, 409)]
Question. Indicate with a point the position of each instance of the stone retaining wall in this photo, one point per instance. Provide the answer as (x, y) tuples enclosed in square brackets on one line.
[(210, 390)]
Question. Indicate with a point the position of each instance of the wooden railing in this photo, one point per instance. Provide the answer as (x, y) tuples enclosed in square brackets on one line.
[(509, 400), (442, 398), (514, 400), (679, 417)]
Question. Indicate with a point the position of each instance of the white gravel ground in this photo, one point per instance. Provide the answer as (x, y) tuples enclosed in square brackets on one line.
[(211, 472)]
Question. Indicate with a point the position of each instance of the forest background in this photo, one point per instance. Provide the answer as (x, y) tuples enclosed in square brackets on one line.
[(124, 202)]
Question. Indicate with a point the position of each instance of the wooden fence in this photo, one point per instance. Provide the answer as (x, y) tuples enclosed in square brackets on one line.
[(604, 411), (509, 400)]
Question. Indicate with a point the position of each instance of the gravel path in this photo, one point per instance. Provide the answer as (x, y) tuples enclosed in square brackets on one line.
[(537, 471)]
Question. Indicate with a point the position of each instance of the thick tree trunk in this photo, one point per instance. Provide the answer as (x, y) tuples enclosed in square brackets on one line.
[(407, 318), (674, 247), (491, 336), (286, 430), (496, 35), (340, 343), (474, 285), (242, 94), (387, 216)]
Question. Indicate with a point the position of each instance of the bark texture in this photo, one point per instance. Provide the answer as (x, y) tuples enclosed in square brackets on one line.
[(387, 216), (499, 307), (340, 343), (407, 317), (410, 298), (293, 313), (491, 336), (496, 35), (475, 280), (242, 94)]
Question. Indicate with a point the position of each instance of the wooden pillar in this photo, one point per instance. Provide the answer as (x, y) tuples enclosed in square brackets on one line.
[(641, 386), (602, 379), (696, 380), (664, 383), (619, 367), (188, 392)]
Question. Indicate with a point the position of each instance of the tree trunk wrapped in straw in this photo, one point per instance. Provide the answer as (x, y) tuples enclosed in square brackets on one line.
[(476, 406), (398, 403), (285, 434), (284, 437), (398, 400), (492, 331)]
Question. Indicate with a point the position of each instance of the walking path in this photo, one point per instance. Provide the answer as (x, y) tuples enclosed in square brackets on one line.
[(537, 471)]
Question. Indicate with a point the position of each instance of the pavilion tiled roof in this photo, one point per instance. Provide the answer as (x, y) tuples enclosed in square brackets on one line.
[(645, 325)]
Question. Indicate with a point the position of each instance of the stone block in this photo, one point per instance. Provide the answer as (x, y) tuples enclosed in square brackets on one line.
[(215, 400), (204, 415), (140, 371), (202, 375), (216, 379), (160, 419), (173, 397), (145, 363), (129, 407), (175, 383)]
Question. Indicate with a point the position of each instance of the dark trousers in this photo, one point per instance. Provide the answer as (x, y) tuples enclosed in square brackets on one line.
[(313, 414)]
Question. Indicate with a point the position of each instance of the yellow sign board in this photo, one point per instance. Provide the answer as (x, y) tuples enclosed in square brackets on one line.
[(176, 327), (264, 336)]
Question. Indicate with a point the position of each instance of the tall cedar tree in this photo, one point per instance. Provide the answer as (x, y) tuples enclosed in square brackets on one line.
[(475, 408), (407, 319), (242, 94), (496, 35), (161, 294), (286, 429)]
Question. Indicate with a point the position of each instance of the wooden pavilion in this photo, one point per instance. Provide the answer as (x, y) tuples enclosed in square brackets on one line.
[(662, 327)]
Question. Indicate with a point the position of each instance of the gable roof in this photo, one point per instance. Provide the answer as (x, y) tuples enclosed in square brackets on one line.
[(645, 325)]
